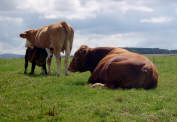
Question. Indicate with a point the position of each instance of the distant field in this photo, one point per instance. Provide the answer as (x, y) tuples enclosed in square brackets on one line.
[(50, 98), (160, 55)]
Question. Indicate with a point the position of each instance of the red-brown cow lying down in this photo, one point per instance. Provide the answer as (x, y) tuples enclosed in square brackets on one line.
[(58, 36), (115, 67), (37, 56)]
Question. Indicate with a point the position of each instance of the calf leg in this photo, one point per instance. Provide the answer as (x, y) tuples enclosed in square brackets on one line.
[(32, 68), (44, 69)]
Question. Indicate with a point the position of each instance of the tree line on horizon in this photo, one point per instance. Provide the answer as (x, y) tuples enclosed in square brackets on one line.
[(132, 49), (151, 50)]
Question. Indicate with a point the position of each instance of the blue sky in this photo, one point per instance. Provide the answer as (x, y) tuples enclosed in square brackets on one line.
[(119, 23)]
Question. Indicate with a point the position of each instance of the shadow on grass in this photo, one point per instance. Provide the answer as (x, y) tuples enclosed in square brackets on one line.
[(80, 83), (33, 75)]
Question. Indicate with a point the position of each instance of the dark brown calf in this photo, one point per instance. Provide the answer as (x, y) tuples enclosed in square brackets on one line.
[(37, 56), (115, 67)]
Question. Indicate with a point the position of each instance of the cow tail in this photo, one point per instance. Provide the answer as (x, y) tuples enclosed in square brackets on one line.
[(154, 78), (151, 79), (69, 35), (67, 30), (66, 26)]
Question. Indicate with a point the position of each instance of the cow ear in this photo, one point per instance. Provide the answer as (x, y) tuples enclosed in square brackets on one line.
[(84, 46), (83, 49), (23, 35)]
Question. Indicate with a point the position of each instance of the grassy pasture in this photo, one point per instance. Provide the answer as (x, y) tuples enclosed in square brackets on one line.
[(50, 98)]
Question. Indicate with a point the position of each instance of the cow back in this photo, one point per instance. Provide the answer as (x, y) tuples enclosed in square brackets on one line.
[(95, 55)]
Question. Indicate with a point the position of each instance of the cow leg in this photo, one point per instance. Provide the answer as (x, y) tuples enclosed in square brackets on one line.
[(44, 68), (95, 85), (32, 68), (58, 60), (95, 82), (26, 64), (49, 59), (67, 55), (93, 78)]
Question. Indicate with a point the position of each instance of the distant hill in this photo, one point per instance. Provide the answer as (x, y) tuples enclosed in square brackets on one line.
[(11, 56), (151, 50), (132, 49)]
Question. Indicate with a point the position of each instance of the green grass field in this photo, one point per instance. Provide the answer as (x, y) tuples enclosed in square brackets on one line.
[(71, 99)]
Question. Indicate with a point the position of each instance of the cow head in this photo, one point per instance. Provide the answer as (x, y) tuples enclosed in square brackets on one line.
[(29, 35), (78, 62), (28, 44)]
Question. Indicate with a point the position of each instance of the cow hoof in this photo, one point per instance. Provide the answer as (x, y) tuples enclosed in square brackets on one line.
[(43, 74), (97, 85), (66, 73), (31, 73), (57, 75)]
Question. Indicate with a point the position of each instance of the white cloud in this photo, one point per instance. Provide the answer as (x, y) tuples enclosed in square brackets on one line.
[(6, 47), (120, 23), (157, 20), (132, 39), (97, 40), (125, 6), (143, 8), (78, 9), (57, 9), (16, 20), (1, 46)]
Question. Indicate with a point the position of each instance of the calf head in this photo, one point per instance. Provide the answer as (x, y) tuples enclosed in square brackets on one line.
[(78, 62), (29, 35)]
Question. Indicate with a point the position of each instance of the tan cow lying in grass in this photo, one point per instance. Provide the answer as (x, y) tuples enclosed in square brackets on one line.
[(115, 67), (58, 36)]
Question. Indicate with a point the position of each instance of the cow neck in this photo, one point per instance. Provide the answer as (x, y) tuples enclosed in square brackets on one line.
[(35, 38), (94, 56)]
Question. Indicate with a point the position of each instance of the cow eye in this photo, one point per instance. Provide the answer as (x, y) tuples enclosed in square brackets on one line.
[(77, 54)]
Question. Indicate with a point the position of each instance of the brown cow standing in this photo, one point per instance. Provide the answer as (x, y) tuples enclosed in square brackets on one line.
[(58, 36), (115, 67)]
